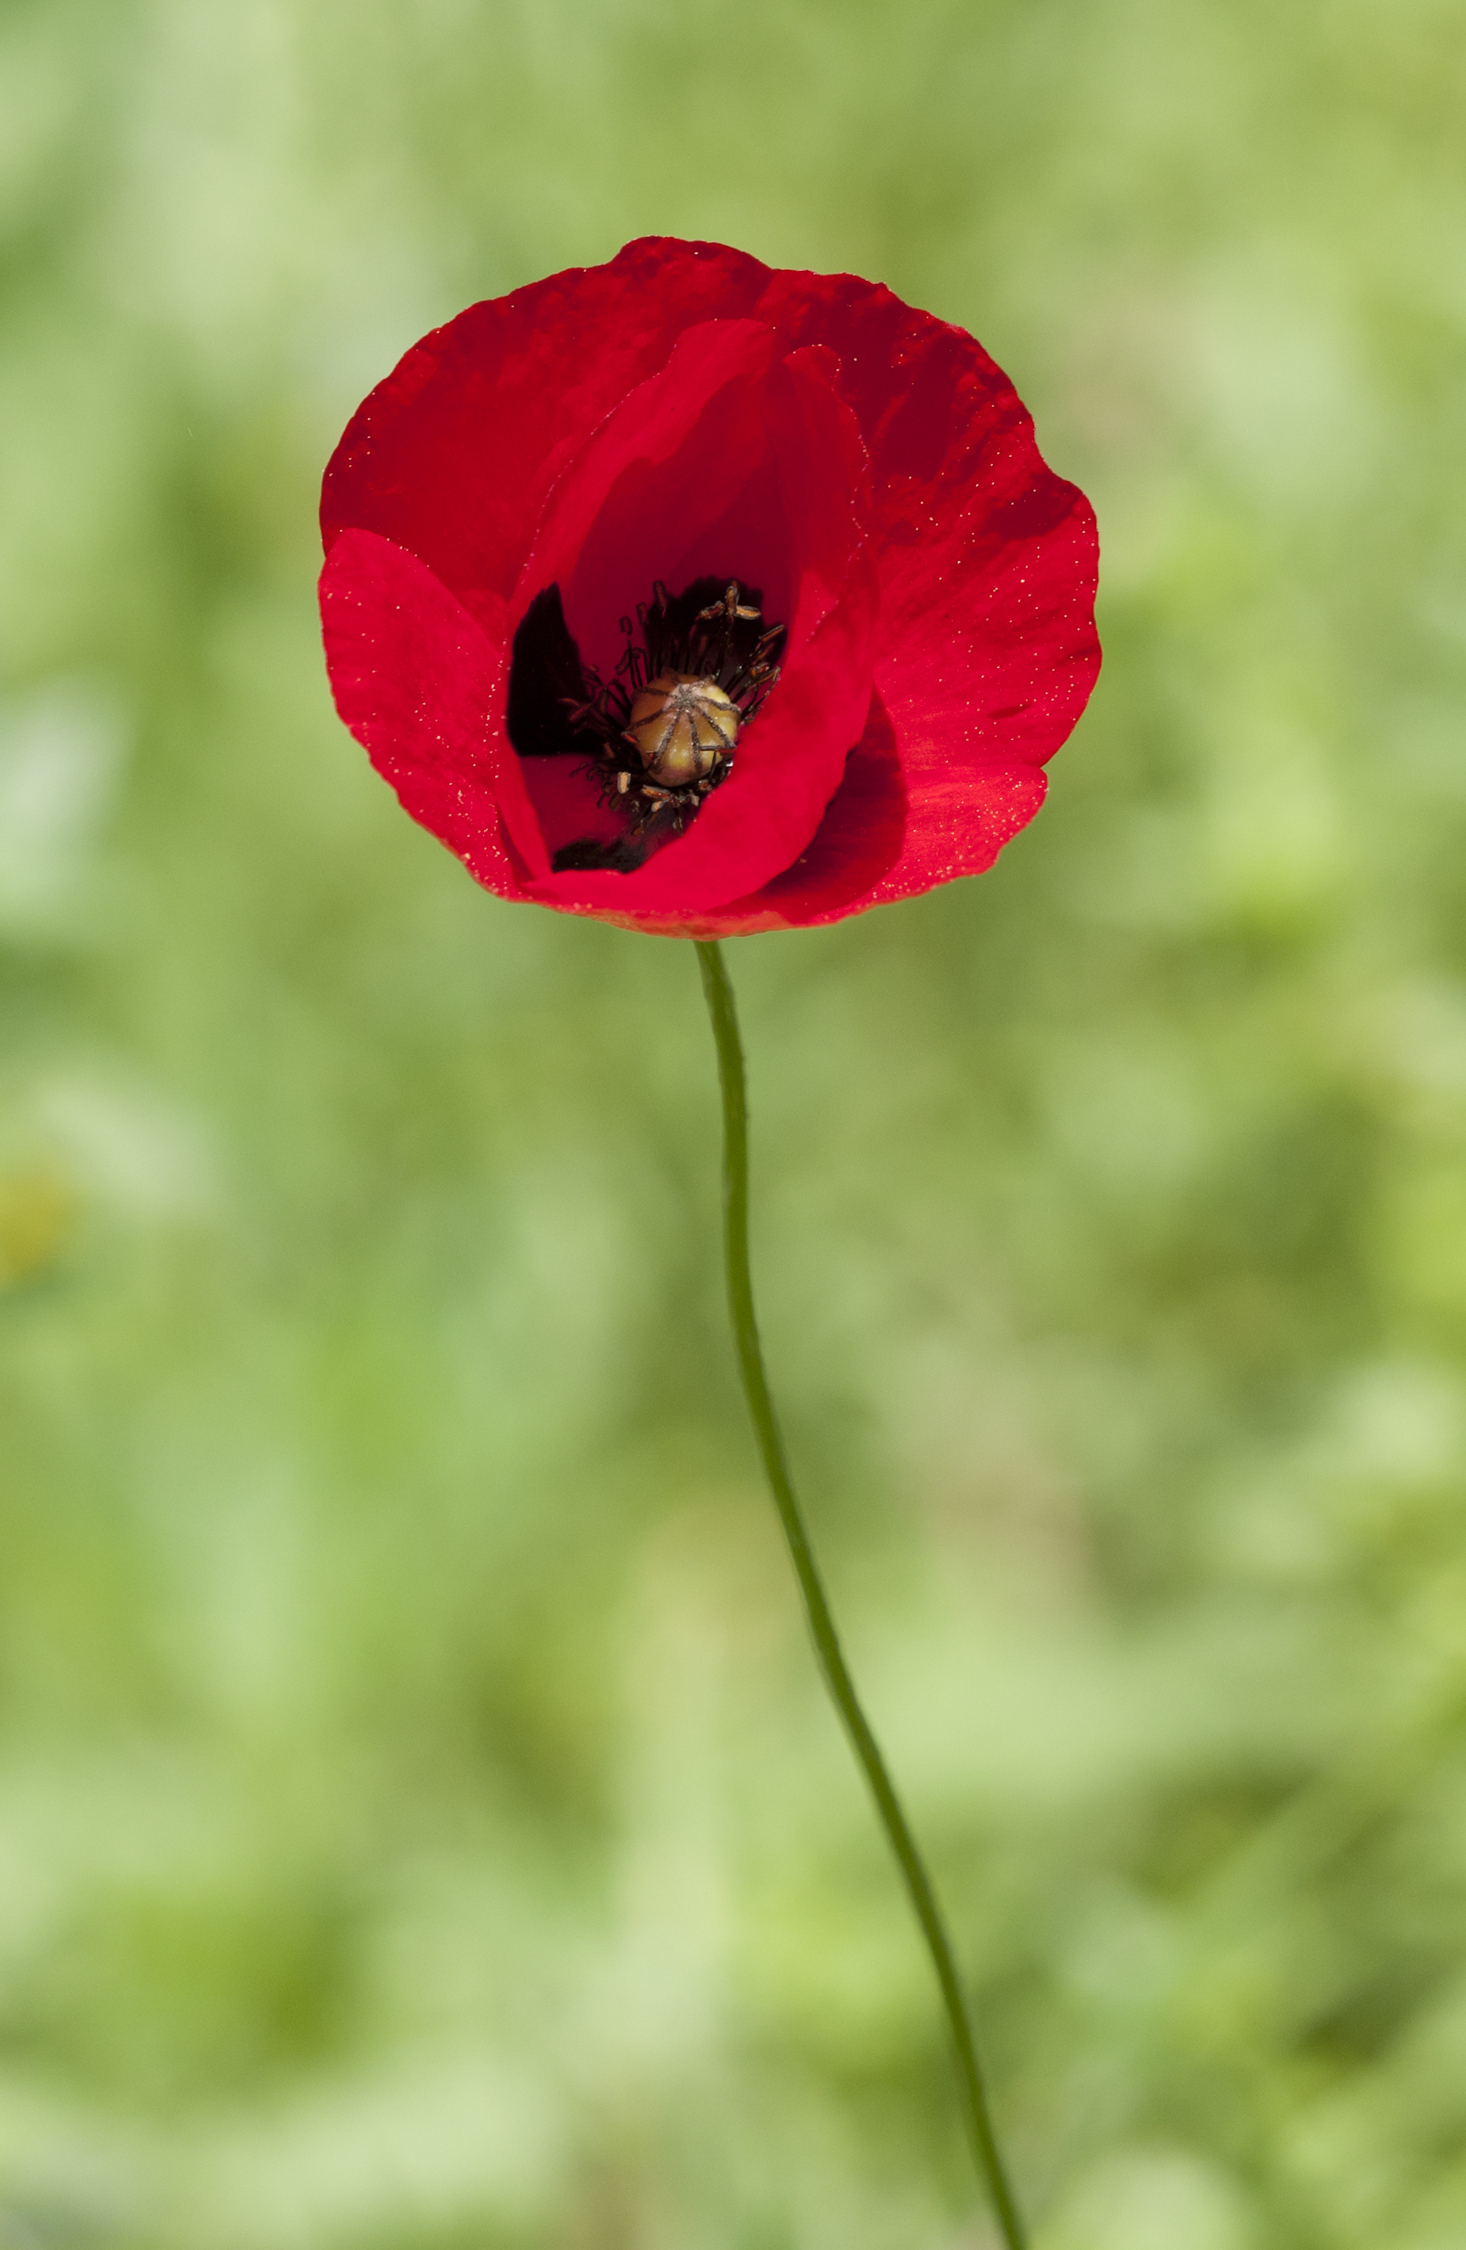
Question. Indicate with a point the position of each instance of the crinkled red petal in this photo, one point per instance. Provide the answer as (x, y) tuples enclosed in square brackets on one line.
[(719, 448), (795, 530), (419, 683), (422, 686), (889, 832)]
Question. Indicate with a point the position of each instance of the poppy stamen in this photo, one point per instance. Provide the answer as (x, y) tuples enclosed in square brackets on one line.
[(660, 734)]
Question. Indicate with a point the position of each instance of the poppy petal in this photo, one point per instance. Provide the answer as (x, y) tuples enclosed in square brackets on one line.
[(417, 681), (791, 758)]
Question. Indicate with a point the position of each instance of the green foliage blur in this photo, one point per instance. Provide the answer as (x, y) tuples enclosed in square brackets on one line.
[(421, 1827)]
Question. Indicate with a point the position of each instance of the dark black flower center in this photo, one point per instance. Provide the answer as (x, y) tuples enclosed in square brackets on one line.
[(660, 735)]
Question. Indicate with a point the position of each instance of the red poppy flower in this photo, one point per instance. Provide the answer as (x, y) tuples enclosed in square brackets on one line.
[(706, 598)]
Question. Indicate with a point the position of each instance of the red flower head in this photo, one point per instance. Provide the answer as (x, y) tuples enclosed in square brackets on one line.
[(706, 598)]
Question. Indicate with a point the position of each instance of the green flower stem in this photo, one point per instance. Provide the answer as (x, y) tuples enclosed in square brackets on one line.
[(719, 995)]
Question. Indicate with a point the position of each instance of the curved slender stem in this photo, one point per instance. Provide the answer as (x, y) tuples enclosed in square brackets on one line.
[(719, 995)]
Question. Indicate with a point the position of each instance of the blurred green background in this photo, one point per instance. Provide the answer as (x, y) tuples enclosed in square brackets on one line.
[(420, 1825)]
